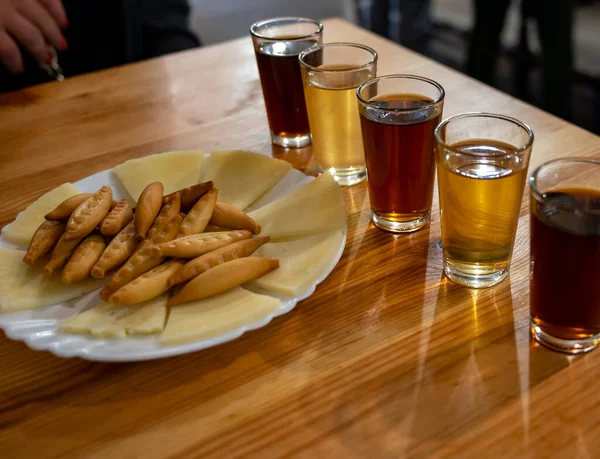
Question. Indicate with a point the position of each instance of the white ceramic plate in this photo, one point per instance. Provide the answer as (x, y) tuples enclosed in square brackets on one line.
[(38, 328)]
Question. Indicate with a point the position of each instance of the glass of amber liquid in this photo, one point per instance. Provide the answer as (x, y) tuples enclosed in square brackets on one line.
[(398, 114), (277, 44), (482, 162), (565, 254), (331, 74)]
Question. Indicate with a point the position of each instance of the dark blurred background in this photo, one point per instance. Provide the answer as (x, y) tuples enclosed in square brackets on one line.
[(546, 52)]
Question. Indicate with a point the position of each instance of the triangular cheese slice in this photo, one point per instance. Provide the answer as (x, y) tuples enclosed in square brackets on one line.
[(242, 177), (27, 287), (21, 230), (302, 262), (175, 170), (111, 321), (216, 315), (317, 207)]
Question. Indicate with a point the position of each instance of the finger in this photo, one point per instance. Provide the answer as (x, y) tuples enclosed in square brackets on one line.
[(10, 55), (40, 17), (57, 10), (29, 37)]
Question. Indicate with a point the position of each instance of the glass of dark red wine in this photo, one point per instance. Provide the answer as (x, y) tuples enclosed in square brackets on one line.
[(277, 44), (565, 255)]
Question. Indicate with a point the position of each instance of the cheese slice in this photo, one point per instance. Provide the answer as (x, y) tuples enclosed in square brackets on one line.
[(216, 315), (302, 262), (317, 207), (242, 176), (175, 170), (111, 321), (21, 230), (27, 287)]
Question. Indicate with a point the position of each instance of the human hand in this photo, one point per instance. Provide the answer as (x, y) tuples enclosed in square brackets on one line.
[(34, 24)]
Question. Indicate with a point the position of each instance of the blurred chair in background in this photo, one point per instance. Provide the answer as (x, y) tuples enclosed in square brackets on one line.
[(554, 20)]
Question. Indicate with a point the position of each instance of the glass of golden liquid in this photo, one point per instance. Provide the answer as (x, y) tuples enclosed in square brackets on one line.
[(331, 74), (482, 162)]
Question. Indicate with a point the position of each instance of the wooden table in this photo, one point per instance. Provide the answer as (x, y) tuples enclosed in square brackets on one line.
[(386, 359)]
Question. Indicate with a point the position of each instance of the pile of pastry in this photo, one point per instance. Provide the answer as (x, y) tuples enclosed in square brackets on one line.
[(186, 240)]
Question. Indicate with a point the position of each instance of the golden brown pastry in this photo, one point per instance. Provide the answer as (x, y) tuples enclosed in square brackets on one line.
[(223, 277), (239, 249), (149, 285), (116, 252), (66, 208), (88, 215), (190, 195), (83, 259), (142, 261), (43, 241), (166, 216), (147, 208), (198, 217), (198, 244), (117, 219), (61, 253), (228, 216)]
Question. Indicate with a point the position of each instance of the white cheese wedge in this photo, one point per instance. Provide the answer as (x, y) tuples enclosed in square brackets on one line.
[(216, 315), (317, 207), (27, 287), (175, 170), (21, 230), (242, 176), (111, 321), (302, 262)]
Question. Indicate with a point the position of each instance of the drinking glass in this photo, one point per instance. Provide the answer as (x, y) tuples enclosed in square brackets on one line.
[(277, 44), (565, 254), (331, 73), (482, 161), (398, 115)]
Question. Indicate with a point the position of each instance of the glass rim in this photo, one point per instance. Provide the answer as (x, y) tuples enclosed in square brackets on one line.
[(263, 22), (510, 119), (533, 177), (342, 44), (402, 76)]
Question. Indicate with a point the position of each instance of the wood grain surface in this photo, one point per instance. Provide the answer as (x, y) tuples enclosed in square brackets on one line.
[(386, 359)]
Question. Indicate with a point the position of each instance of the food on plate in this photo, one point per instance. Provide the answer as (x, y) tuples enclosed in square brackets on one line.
[(223, 277), (228, 216), (315, 208), (242, 176), (83, 259), (27, 287), (198, 244), (149, 285), (118, 250), (64, 210), (44, 240), (111, 321), (147, 208), (199, 215), (61, 253), (217, 315), (191, 194), (161, 229), (117, 219), (303, 262), (175, 170), (88, 215), (239, 249), (27, 222), (139, 263)]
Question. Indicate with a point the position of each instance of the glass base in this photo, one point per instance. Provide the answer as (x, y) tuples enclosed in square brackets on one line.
[(346, 177), (407, 226), (291, 142), (568, 346), (473, 278)]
